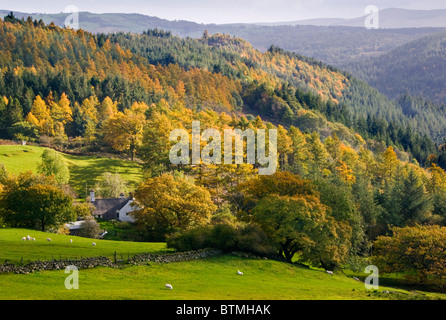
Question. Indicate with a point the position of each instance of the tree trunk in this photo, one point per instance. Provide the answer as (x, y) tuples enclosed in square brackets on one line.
[(288, 255)]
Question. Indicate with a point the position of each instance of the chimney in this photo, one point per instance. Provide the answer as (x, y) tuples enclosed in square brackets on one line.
[(92, 199)]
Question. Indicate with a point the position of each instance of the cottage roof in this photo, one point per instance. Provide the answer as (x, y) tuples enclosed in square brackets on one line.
[(107, 208)]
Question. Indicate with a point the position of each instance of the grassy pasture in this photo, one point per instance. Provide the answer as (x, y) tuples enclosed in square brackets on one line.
[(12, 248), (207, 279), (84, 170), (213, 278)]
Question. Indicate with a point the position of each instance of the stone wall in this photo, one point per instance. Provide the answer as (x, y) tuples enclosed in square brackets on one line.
[(86, 263), (174, 257)]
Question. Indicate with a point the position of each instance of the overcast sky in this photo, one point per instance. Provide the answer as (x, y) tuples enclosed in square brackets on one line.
[(224, 11)]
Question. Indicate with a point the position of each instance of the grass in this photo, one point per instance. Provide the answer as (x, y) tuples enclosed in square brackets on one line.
[(12, 248), (84, 170), (206, 279)]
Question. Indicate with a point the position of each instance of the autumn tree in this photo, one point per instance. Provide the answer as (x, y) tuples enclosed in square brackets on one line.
[(388, 164), (282, 183), (436, 187), (124, 131), (419, 251), (301, 224), (170, 204), (299, 157), (83, 209), (284, 146), (345, 173), (156, 143), (40, 117), (317, 154), (60, 111), (333, 146), (38, 206), (289, 210), (107, 109)]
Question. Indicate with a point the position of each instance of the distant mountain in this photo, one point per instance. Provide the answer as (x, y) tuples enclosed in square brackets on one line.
[(116, 22), (417, 68), (388, 19), (336, 45)]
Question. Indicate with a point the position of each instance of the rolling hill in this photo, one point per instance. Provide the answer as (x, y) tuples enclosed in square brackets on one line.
[(391, 18), (218, 72), (84, 170), (262, 279), (14, 249), (332, 44), (417, 68)]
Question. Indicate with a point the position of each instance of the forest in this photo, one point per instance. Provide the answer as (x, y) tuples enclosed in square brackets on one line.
[(353, 168), (416, 68)]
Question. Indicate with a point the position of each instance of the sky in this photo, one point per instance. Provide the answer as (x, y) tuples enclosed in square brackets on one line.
[(226, 11)]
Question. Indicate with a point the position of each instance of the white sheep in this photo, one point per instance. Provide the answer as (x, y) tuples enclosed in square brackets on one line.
[(329, 272), (71, 240), (354, 278), (48, 239), (239, 273), (34, 239), (169, 286), (94, 244), (28, 237), (24, 239)]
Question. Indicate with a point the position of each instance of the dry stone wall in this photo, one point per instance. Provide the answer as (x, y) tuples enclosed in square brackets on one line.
[(92, 262)]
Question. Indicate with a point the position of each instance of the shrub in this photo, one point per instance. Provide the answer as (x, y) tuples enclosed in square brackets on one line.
[(90, 228), (225, 237), (419, 251)]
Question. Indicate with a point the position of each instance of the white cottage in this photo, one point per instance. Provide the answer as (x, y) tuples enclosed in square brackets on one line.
[(113, 209)]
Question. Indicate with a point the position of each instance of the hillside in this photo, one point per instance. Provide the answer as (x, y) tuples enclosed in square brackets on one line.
[(262, 279), (84, 170), (14, 249), (323, 89), (217, 72), (391, 18), (336, 44), (416, 68)]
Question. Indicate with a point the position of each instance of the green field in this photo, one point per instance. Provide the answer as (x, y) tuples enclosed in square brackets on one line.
[(206, 279), (210, 279), (84, 170), (13, 249)]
